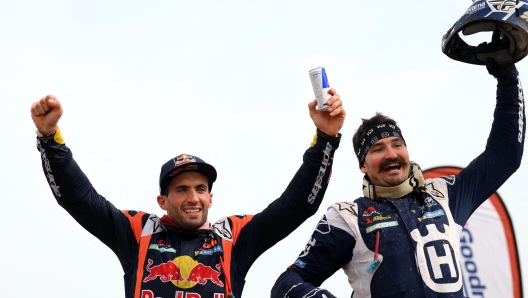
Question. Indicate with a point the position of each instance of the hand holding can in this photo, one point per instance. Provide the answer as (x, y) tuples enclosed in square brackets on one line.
[(320, 87)]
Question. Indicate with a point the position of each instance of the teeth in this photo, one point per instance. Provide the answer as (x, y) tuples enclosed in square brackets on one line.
[(392, 165), (192, 211)]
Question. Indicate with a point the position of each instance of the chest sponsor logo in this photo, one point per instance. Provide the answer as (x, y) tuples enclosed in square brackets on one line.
[(184, 272), (162, 247), (210, 251), (371, 220), (370, 211), (438, 258), (382, 225), (429, 203), (432, 214), (209, 248)]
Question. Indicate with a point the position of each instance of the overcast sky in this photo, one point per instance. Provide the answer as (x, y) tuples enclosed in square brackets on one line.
[(143, 81)]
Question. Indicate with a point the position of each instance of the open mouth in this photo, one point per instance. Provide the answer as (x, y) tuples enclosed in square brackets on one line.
[(388, 166), (392, 167)]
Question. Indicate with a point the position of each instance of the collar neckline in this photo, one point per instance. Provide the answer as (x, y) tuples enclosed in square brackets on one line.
[(414, 182)]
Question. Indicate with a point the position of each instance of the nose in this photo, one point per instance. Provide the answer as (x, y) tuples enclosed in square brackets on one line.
[(192, 196), (390, 153)]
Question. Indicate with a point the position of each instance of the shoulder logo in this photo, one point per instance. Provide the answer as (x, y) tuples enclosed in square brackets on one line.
[(223, 229), (433, 191), (152, 226), (346, 206)]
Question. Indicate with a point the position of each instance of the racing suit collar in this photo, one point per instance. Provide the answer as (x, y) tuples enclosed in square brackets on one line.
[(414, 182), (165, 220)]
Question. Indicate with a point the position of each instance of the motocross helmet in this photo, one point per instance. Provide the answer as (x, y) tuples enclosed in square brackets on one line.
[(507, 19)]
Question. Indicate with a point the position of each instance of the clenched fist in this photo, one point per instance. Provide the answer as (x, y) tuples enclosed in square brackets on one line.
[(46, 114)]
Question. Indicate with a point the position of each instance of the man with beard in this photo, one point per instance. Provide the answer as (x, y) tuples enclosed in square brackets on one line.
[(180, 254), (401, 238)]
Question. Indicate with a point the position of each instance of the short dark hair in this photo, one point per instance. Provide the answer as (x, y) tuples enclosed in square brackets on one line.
[(367, 124)]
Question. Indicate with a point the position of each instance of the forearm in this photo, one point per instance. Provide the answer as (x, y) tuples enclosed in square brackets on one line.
[(72, 189), (303, 195), (503, 153), (290, 284)]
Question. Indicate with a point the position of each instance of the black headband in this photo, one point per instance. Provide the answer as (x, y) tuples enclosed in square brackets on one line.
[(380, 131)]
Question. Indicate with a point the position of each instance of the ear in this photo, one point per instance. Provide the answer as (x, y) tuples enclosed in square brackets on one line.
[(210, 200), (162, 202), (363, 169)]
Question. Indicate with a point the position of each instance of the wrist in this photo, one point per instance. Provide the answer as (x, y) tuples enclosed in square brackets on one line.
[(327, 134), (46, 132)]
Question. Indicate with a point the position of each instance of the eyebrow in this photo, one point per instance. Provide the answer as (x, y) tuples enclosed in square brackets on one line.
[(395, 140), (185, 186)]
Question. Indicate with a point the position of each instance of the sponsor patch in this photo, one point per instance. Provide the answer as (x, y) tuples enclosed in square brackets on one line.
[(183, 159), (371, 220), (299, 263), (382, 225), (161, 248), (209, 251), (433, 214), (370, 212)]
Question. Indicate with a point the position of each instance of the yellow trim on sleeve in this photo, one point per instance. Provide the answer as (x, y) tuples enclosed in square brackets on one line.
[(58, 137), (314, 139)]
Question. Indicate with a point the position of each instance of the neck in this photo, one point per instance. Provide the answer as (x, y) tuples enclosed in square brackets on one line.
[(414, 182), (168, 222)]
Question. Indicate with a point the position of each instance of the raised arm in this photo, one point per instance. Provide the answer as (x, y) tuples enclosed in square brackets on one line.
[(304, 194), (504, 148), (71, 188)]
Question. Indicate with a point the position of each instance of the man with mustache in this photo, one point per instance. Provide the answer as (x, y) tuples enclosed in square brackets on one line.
[(401, 238)]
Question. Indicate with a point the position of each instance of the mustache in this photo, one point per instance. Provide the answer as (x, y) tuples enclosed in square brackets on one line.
[(388, 162)]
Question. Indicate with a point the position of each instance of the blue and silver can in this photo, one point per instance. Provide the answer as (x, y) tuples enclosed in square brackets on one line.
[(320, 87)]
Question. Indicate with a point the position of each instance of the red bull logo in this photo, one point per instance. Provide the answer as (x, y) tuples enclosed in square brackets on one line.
[(166, 271), (201, 273), (184, 272), (184, 158)]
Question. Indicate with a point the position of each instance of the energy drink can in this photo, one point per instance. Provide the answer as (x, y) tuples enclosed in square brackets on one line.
[(320, 87)]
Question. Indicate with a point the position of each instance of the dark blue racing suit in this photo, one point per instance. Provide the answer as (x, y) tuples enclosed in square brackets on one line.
[(416, 235), (161, 261)]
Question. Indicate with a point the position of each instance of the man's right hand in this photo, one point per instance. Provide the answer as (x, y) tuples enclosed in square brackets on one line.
[(46, 114)]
